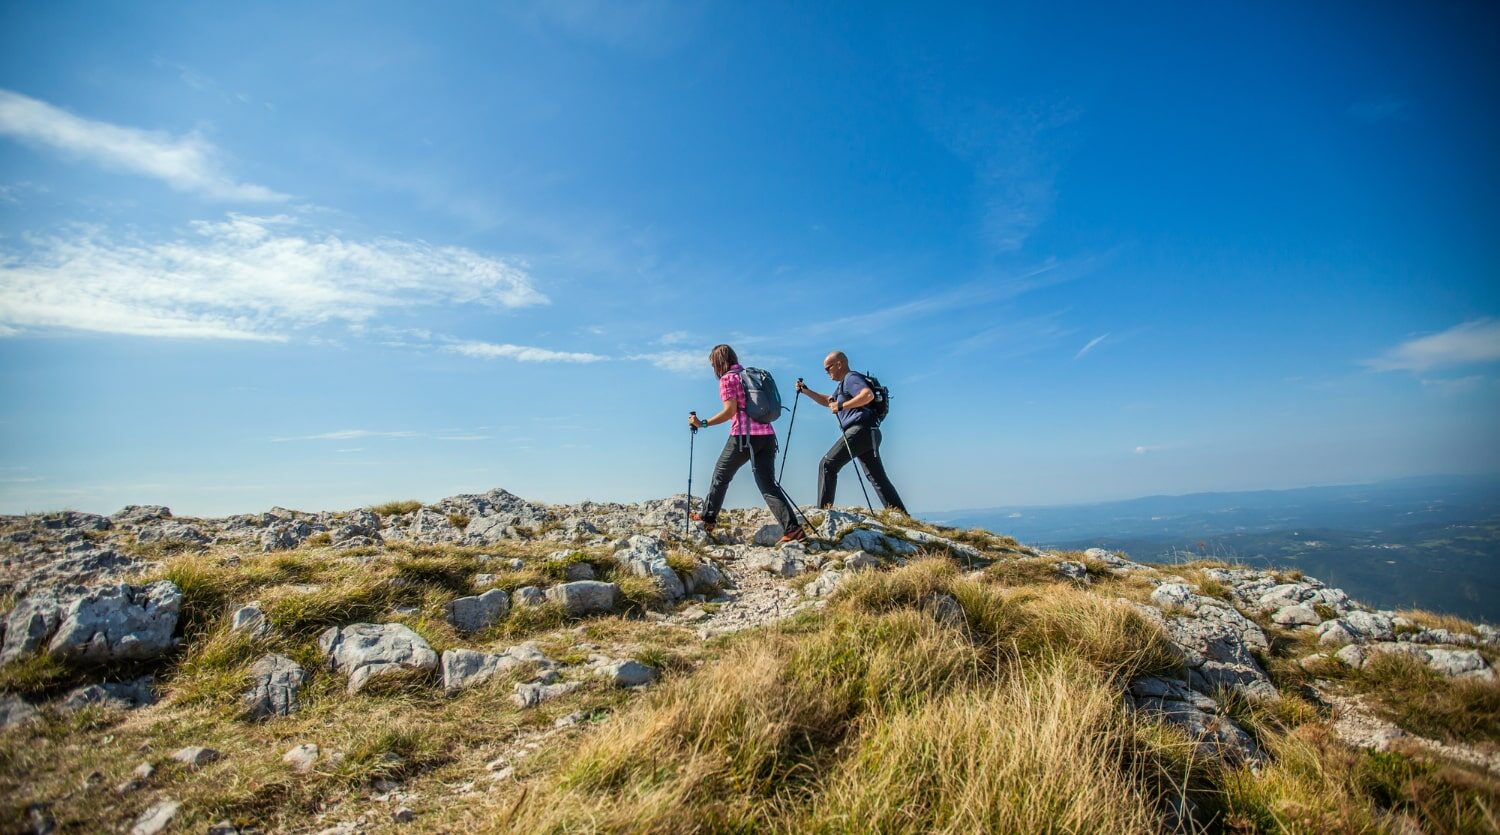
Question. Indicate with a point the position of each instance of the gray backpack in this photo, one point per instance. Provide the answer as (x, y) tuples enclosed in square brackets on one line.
[(762, 400)]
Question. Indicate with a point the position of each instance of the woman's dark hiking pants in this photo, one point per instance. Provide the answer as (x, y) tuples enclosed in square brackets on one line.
[(864, 441), (760, 451)]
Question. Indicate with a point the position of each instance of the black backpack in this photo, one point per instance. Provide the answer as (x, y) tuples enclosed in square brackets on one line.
[(881, 405)]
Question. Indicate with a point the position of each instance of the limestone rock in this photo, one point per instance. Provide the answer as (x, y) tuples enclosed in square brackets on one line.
[(471, 614), (1215, 640), (646, 556), (706, 578), (1357, 627), (1299, 614), (767, 535), (959, 549), (825, 584), (275, 683), (119, 695), (195, 756), (171, 531), (835, 521), (15, 710), (365, 650), (534, 693), (156, 818), (528, 596), (250, 619), (863, 539), (586, 597), (119, 622), (1454, 663), (1176, 703), (627, 673), (463, 668), (135, 514), (302, 758), (1075, 571)]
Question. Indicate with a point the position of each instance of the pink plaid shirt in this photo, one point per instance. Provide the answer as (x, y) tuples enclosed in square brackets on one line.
[(731, 388)]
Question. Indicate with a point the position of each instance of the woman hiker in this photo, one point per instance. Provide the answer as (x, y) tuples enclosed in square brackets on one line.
[(749, 440)]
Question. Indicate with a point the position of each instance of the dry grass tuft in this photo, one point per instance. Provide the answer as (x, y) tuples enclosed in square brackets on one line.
[(396, 508)]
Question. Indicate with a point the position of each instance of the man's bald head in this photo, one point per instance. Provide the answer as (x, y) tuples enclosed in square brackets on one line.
[(836, 364)]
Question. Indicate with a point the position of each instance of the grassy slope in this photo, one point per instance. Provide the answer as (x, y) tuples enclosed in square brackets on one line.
[(882, 712)]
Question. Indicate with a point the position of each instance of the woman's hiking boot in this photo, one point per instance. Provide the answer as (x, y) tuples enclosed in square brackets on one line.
[(793, 535), (708, 527)]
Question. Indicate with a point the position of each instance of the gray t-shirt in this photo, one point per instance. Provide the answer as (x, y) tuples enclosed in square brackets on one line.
[(852, 384)]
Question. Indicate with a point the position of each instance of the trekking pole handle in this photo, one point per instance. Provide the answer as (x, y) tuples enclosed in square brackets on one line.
[(694, 416)]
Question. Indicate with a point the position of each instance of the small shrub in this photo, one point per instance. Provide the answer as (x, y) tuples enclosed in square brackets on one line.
[(458, 520), (396, 508), (682, 563), (318, 540), (1324, 611)]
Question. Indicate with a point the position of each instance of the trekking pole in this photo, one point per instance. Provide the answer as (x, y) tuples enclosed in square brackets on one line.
[(687, 513), (857, 475), (797, 398), (796, 509)]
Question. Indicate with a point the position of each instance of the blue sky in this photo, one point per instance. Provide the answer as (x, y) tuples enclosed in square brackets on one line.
[(321, 257)]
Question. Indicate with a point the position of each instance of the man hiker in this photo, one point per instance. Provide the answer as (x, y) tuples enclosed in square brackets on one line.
[(850, 402)]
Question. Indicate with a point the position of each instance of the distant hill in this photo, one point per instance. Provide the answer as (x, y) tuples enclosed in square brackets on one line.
[(1432, 542)]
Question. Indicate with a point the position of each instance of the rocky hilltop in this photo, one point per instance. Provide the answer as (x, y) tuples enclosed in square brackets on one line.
[(490, 663)]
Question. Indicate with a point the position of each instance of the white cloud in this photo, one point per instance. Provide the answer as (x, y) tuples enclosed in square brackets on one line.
[(1474, 341), (242, 278), (1089, 347), (186, 163), (520, 353), (681, 362), (674, 338)]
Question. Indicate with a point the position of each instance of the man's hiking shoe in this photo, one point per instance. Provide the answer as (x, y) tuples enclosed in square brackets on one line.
[(708, 527), (793, 535)]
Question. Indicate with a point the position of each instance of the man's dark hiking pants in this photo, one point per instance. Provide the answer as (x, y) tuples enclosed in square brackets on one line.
[(864, 442), (760, 451)]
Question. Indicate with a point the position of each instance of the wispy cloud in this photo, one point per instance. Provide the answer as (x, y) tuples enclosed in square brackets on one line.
[(520, 353), (1475, 341), (674, 338), (244, 278), (680, 362), (1012, 150), (187, 163), (1093, 343), (969, 295), (462, 437)]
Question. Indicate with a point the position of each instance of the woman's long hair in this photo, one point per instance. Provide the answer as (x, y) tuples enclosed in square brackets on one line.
[(722, 356)]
